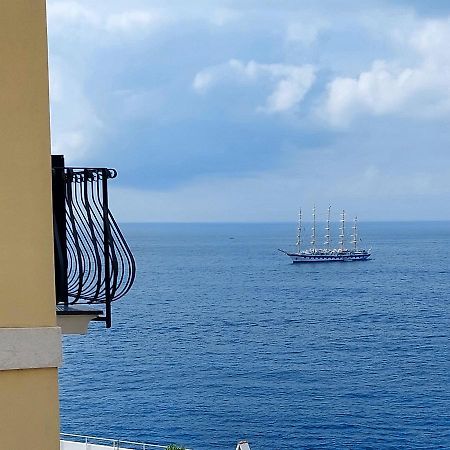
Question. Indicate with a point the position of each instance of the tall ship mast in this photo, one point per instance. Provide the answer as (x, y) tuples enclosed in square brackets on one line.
[(328, 254), (299, 231), (327, 230), (355, 234), (313, 235), (342, 233)]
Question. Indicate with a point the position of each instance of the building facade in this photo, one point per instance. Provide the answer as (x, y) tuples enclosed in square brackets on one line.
[(30, 344)]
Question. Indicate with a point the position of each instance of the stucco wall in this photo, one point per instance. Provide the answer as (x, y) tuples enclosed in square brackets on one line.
[(26, 245), (29, 417), (28, 412)]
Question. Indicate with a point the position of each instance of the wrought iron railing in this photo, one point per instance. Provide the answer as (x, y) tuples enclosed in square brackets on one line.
[(93, 262)]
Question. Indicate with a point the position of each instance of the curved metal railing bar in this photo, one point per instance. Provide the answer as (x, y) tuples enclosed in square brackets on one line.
[(100, 267)]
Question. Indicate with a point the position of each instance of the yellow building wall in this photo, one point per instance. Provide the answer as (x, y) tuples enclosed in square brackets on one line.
[(28, 398), (28, 416)]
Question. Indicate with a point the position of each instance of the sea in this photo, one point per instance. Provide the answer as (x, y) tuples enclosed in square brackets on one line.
[(222, 338)]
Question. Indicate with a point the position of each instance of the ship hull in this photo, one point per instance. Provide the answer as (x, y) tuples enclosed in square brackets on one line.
[(300, 258)]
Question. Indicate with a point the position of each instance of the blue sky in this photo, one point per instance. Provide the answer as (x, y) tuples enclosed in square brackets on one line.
[(246, 110)]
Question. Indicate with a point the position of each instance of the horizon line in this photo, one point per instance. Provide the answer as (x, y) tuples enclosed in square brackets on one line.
[(256, 222)]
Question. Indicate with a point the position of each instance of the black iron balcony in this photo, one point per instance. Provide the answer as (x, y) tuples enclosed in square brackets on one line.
[(93, 263)]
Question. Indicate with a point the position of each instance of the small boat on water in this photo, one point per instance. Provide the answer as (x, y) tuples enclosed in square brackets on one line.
[(326, 253)]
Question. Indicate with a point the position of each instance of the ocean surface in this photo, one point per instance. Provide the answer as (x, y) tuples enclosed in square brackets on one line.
[(222, 339)]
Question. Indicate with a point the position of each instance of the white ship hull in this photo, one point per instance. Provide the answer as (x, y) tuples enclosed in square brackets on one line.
[(335, 257)]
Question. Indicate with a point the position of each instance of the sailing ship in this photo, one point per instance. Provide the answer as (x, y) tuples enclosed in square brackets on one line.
[(326, 253)]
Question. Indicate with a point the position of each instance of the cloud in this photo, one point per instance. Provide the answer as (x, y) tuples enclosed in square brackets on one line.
[(73, 144), (203, 81), (75, 124), (289, 83), (431, 39), (306, 31), (130, 20), (381, 90), (388, 87), (128, 91), (62, 14), (370, 192), (135, 16), (59, 13), (291, 90)]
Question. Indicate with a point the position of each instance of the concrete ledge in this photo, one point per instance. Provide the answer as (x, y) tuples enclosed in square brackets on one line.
[(75, 319), (76, 324), (30, 348)]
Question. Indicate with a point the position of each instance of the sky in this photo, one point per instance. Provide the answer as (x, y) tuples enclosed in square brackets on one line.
[(244, 111)]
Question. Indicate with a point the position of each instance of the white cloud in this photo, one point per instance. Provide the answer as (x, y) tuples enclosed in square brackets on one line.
[(383, 89), (291, 90), (203, 81), (305, 31), (71, 13), (72, 144), (421, 90), (135, 16), (62, 12), (432, 39), (75, 124), (132, 20), (289, 83)]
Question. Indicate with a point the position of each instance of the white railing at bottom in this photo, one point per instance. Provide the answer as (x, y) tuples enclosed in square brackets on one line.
[(80, 442)]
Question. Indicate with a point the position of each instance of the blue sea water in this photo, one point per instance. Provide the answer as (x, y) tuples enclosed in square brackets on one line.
[(222, 338)]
